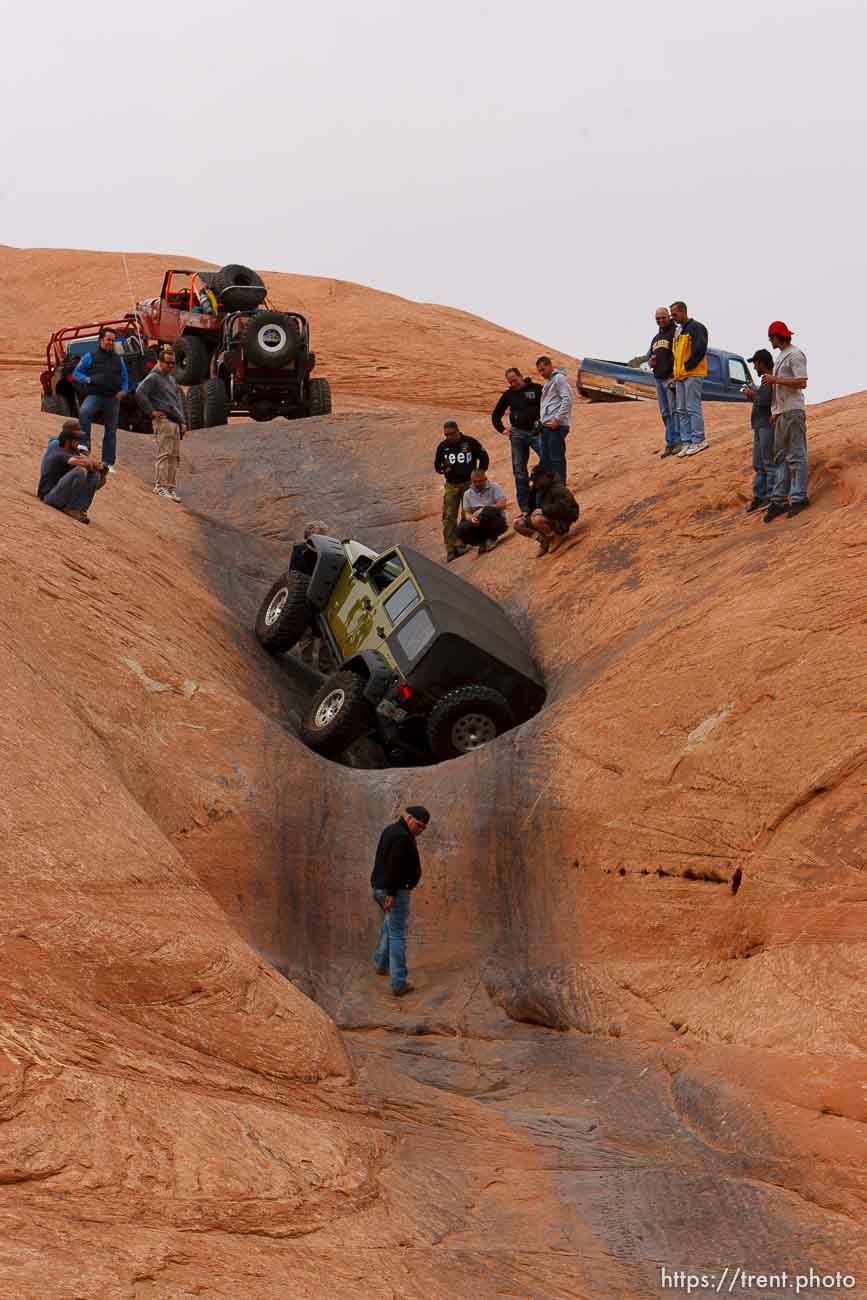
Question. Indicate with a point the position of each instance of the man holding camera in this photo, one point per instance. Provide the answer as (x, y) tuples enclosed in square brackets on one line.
[(159, 396)]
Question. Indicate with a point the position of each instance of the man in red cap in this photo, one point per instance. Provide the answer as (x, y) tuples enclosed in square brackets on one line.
[(789, 418)]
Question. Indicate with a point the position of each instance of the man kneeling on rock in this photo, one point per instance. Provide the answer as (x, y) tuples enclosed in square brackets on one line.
[(396, 872), (484, 506), (551, 513), (68, 477)]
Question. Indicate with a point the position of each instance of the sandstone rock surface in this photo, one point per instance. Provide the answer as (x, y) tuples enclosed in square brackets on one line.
[(614, 1061)]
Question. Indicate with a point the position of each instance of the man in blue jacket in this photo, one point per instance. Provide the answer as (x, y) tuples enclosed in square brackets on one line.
[(103, 373), (396, 872)]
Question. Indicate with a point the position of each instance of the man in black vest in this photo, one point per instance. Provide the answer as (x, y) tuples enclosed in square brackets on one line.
[(396, 872), (104, 375)]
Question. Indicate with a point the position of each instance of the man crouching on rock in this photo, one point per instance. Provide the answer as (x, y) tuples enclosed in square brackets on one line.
[(551, 512), (396, 872), (69, 478)]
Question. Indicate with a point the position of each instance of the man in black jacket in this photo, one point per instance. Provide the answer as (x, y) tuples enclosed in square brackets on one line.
[(763, 432), (551, 512), (396, 872), (660, 358), (521, 399), (456, 458)]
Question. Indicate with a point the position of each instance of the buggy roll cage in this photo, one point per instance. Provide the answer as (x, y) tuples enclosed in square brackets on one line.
[(60, 338)]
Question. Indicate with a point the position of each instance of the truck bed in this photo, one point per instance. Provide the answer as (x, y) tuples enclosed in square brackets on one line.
[(612, 381)]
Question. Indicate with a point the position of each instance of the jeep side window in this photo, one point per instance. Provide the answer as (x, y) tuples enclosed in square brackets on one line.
[(383, 573), (737, 373), (400, 601)]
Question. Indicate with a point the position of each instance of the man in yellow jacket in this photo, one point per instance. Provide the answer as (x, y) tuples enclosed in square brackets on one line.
[(690, 369)]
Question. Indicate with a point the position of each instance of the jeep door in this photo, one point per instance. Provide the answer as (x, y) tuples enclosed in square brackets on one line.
[(363, 612)]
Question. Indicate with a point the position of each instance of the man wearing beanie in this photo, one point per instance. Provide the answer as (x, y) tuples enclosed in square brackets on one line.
[(396, 872)]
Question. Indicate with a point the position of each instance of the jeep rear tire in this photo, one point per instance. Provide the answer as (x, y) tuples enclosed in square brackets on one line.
[(194, 407), (55, 404), (319, 399), (338, 715), (271, 339), (235, 274), (215, 403), (466, 719), (284, 615), (192, 361)]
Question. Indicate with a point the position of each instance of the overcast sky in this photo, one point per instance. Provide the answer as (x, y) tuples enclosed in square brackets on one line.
[(560, 169)]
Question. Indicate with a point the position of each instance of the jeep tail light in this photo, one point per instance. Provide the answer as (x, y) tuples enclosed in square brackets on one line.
[(404, 694)]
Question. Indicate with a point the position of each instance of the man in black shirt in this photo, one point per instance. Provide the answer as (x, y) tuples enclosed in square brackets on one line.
[(763, 432), (456, 457), (69, 479), (396, 872), (660, 358), (521, 399)]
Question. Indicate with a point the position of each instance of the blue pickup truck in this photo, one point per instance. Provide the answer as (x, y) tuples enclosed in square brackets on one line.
[(612, 381)]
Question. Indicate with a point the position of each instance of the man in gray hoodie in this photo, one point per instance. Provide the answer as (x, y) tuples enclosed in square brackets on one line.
[(555, 413), (159, 396)]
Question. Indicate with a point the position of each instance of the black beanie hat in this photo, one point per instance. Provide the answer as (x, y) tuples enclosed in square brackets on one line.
[(419, 813)]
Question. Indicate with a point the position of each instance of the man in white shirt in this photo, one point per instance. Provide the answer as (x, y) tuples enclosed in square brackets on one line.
[(789, 418), (484, 518)]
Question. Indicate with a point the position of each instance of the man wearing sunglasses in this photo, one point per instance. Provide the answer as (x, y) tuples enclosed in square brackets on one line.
[(159, 396), (660, 358)]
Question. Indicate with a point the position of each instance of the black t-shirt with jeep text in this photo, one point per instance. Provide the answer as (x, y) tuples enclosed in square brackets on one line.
[(457, 460)]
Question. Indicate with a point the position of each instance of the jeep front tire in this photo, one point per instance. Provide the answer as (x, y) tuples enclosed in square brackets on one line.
[(338, 714), (284, 614), (466, 719)]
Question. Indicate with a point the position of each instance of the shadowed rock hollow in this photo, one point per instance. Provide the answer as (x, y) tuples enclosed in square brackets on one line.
[(614, 1060)]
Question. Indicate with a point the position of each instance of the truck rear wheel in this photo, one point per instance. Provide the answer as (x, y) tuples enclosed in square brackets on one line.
[(284, 614), (338, 714), (194, 406), (192, 362), (215, 403), (319, 399), (271, 339), (55, 404), (466, 719)]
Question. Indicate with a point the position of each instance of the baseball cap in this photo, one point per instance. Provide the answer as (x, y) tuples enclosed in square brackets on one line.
[(450, 424), (779, 327), (70, 426), (761, 354), (419, 813)]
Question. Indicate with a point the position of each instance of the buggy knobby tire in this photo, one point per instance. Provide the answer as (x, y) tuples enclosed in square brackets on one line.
[(284, 614), (55, 404), (319, 398), (235, 274), (271, 339), (466, 719), (215, 403), (338, 715), (194, 407), (192, 361)]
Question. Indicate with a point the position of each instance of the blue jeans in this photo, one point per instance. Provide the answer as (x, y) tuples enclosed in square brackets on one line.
[(763, 462), (665, 396), (690, 421), (552, 453), (390, 952), (522, 443), (790, 457), (75, 491), (110, 408)]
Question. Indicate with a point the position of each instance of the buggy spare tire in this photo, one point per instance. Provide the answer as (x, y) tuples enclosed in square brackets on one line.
[(338, 714), (215, 403), (55, 404), (235, 274), (466, 719), (194, 407), (319, 399), (192, 361), (284, 614), (271, 339)]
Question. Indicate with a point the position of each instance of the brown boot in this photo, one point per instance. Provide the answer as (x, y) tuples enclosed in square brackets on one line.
[(544, 544)]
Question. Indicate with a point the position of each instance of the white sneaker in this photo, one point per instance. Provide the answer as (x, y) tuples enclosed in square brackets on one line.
[(174, 496), (696, 447), (684, 451), (162, 492), (111, 469)]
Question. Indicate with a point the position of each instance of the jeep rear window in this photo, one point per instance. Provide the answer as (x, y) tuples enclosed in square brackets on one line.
[(383, 573), (406, 597)]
